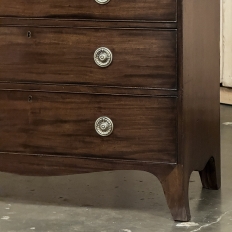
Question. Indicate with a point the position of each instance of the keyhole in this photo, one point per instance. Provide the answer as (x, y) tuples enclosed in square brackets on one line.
[(29, 34), (29, 98)]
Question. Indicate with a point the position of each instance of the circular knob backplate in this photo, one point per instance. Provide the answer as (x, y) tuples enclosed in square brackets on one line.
[(102, 1), (103, 57), (104, 126)]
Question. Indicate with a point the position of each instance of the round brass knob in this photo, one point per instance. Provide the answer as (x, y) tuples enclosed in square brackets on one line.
[(104, 126), (103, 57), (102, 1)]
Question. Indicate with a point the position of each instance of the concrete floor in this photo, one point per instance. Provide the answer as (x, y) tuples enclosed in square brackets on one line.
[(121, 201)]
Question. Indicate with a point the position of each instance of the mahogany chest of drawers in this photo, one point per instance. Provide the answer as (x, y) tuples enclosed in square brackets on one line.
[(96, 85)]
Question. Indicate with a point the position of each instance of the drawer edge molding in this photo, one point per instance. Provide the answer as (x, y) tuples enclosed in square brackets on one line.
[(8, 86), (69, 23)]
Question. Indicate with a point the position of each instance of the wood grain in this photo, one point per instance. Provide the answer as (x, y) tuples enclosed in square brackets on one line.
[(52, 92), (150, 10), (42, 165), (141, 58), (175, 186), (63, 124), (199, 82)]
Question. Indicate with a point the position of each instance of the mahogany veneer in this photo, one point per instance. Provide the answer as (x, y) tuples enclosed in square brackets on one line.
[(154, 108), (158, 10), (64, 55)]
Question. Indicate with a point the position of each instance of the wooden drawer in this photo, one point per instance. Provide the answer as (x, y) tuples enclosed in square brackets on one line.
[(64, 124), (150, 10), (141, 58)]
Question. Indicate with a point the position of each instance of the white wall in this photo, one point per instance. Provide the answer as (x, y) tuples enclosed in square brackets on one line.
[(226, 43)]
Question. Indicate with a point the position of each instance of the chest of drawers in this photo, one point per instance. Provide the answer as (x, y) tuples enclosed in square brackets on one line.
[(97, 85)]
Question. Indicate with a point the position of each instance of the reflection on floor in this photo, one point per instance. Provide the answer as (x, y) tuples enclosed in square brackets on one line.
[(121, 201)]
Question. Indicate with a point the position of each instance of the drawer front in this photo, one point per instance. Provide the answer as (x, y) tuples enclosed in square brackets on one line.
[(144, 128), (150, 10), (140, 58)]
